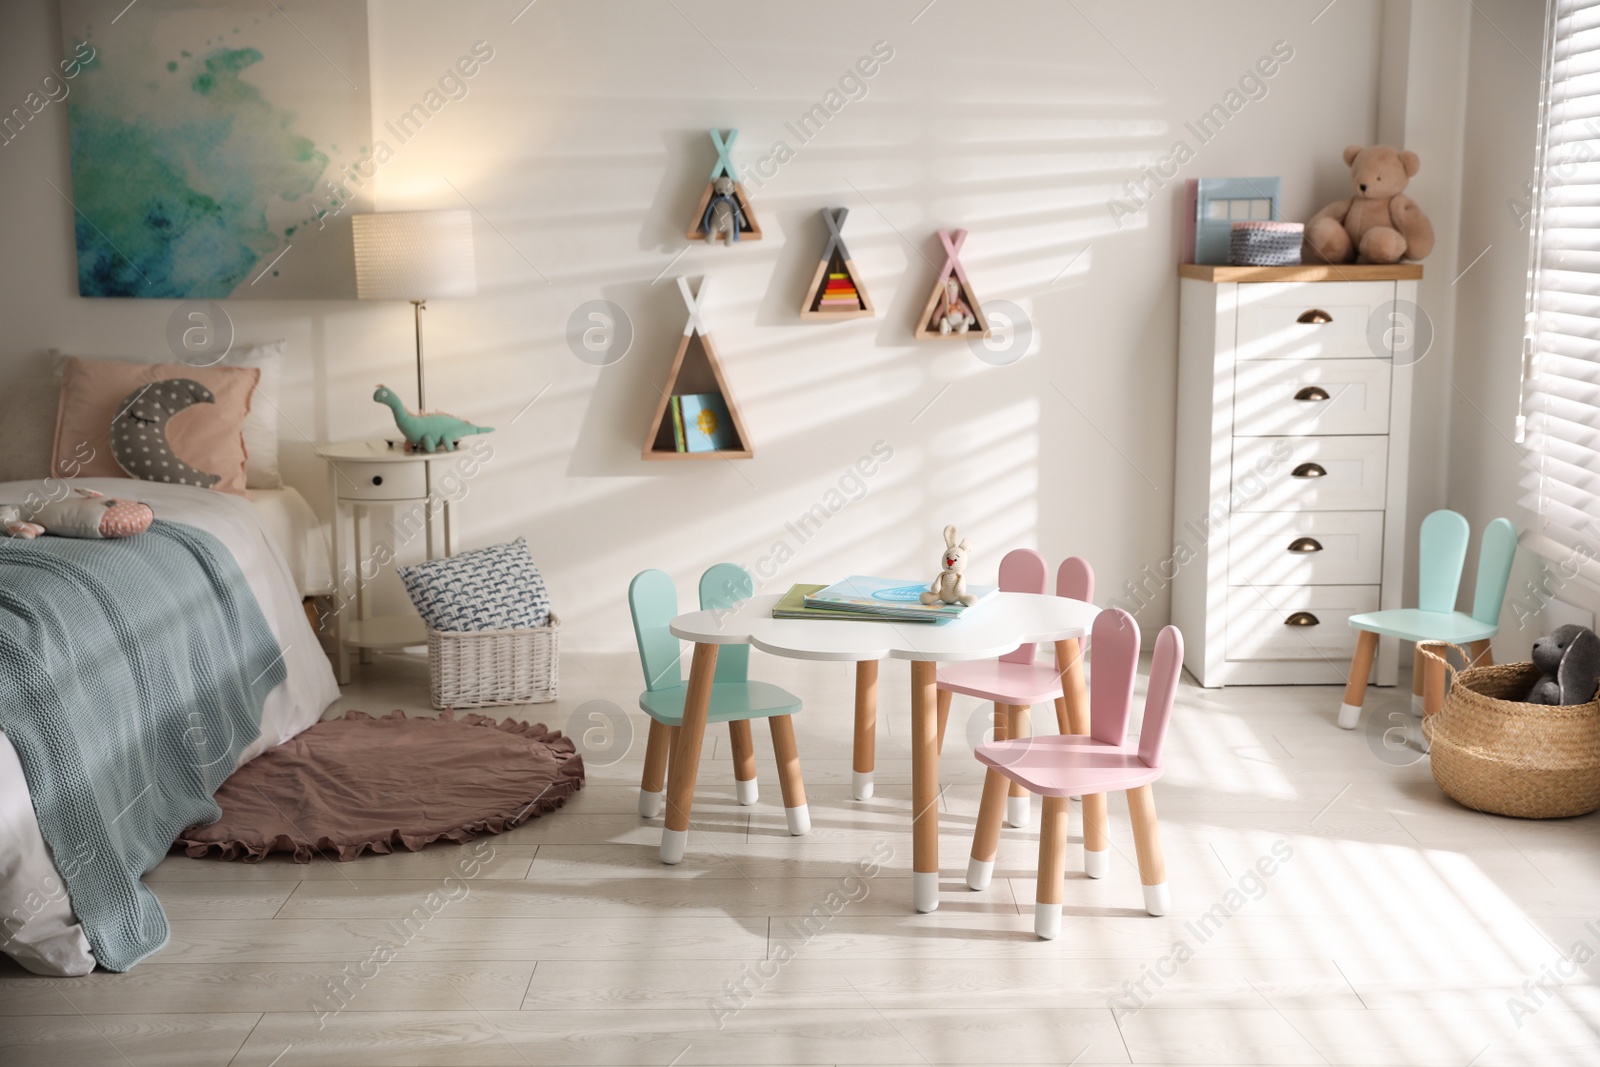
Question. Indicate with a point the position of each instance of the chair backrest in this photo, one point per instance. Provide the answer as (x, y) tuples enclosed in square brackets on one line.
[(721, 587), (1494, 570), (1022, 571), (1116, 660), (1075, 579), (653, 600), (1165, 666), (1441, 553)]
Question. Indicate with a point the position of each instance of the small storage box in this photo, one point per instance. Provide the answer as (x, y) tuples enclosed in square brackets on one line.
[(482, 668), (1265, 244)]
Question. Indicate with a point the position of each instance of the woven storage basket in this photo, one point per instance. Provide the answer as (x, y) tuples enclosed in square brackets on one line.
[(482, 668), (1265, 244), (1492, 752)]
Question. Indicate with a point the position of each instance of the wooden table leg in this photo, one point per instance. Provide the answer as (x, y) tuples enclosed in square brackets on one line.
[(795, 809), (945, 697), (924, 785), (866, 745), (1074, 702), (1355, 690), (686, 759), (744, 762)]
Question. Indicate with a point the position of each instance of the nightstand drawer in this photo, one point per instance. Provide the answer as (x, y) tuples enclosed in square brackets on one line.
[(380, 481), (1288, 622), (1274, 397), (1306, 548), (1308, 320), (1309, 473)]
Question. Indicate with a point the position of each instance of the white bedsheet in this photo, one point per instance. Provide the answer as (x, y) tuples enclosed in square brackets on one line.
[(34, 910), (287, 516)]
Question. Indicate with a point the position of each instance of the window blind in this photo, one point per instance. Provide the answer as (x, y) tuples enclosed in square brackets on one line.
[(1560, 415)]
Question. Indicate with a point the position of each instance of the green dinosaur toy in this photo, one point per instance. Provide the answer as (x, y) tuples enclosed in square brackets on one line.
[(432, 432)]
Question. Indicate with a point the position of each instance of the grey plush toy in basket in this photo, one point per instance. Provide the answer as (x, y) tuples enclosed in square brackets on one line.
[(1493, 752)]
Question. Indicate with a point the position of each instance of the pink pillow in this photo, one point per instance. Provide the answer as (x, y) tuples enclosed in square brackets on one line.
[(208, 437)]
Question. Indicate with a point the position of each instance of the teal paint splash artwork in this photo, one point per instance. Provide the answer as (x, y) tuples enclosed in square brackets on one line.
[(190, 172)]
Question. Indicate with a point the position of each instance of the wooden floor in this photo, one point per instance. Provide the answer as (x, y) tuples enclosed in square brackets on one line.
[(1400, 929)]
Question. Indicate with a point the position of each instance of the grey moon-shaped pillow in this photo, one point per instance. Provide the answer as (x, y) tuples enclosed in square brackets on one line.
[(139, 432)]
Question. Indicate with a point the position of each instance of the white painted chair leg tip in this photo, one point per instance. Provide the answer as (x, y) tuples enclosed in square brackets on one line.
[(925, 891), (650, 804), (1047, 921), (979, 874), (747, 792), (673, 845), (799, 819), (1097, 864), (1157, 899), (1349, 715), (861, 784), (1416, 704), (1019, 811)]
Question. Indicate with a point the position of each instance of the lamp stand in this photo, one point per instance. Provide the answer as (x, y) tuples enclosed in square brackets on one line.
[(419, 307)]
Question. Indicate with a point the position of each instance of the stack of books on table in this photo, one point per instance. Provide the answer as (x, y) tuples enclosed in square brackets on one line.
[(871, 599)]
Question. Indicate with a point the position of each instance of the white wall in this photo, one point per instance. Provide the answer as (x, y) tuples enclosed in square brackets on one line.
[(583, 146)]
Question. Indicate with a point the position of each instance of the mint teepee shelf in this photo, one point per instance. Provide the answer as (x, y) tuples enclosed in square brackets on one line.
[(932, 311), (836, 290), (695, 370), (749, 228)]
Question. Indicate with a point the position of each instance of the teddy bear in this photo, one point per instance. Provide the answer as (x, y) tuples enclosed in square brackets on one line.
[(1379, 224), (1569, 666), (951, 587)]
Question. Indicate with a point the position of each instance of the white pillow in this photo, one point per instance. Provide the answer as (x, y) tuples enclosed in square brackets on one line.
[(260, 425)]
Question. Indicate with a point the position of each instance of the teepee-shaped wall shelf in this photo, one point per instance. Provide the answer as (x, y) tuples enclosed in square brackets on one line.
[(938, 300), (748, 228), (837, 291), (695, 392)]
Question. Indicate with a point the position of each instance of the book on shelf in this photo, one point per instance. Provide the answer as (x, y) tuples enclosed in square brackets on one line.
[(677, 424), (704, 422), (890, 598)]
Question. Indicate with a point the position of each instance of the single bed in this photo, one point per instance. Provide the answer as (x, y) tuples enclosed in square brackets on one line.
[(274, 540)]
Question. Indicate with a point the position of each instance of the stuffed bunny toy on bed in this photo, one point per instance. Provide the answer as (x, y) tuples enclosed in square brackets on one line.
[(1569, 666), (950, 587), (86, 514)]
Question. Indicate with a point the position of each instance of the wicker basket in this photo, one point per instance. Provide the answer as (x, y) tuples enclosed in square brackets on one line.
[(1265, 244), (1492, 752), (482, 668)]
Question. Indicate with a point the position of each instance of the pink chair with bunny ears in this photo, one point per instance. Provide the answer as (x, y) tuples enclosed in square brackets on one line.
[(1014, 682), (1090, 766)]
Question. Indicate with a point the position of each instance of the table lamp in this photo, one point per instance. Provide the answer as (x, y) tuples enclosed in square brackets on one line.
[(414, 255)]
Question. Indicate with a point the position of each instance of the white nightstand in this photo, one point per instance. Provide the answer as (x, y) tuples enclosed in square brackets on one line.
[(367, 474)]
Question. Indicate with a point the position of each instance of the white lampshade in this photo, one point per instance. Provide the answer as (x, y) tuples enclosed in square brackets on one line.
[(414, 255)]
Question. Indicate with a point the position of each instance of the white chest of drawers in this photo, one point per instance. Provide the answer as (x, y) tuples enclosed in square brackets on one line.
[(1294, 401)]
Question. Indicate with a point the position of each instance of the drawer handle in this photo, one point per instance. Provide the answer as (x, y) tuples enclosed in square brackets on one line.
[(1305, 544), (1308, 470), (1312, 392), (1315, 317), (377, 479), (1302, 618)]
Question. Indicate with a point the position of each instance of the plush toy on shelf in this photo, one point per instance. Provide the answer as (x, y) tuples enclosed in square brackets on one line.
[(1569, 666), (722, 217), (951, 587), (1379, 224), (952, 314), (430, 432), (87, 514)]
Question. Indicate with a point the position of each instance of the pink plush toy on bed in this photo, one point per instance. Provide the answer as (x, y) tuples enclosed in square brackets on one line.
[(88, 514)]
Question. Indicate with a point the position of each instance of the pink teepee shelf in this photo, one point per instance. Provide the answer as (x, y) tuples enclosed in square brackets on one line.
[(928, 325)]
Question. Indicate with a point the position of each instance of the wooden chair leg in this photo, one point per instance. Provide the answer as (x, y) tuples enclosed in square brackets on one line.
[(866, 743), (944, 715), (991, 810), (1482, 653), (1074, 687), (1355, 690), (1052, 867), (1147, 840), (653, 782), (1019, 803), (1417, 671), (1433, 685), (789, 779), (744, 762), (1096, 837)]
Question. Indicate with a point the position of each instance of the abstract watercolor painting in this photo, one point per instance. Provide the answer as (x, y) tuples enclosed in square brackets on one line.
[(206, 138)]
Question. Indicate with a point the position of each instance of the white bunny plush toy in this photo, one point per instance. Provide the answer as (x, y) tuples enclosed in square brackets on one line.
[(950, 587)]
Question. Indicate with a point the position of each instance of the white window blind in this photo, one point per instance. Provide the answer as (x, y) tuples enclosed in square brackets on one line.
[(1560, 423)]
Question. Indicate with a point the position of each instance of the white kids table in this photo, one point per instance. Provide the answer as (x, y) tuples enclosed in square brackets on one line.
[(987, 630)]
